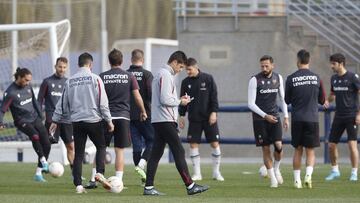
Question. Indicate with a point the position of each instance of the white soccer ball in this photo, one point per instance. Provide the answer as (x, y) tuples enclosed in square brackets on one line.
[(263, 171), (116, 184), (56, 169)]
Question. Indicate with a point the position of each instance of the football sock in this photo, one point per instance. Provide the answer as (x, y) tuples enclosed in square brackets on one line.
[(216, 157), (93, 173), (297, 175), (309, 170), (277, 166), (354, 171), (190, 186), (119, 174), (271, 174), (38, 171), (195, 159), (335, 168), (43, 160), (142, 164)]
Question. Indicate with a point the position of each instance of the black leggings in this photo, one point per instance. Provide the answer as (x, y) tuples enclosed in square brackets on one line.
[(38, 136), (166, 133), (96, 134)]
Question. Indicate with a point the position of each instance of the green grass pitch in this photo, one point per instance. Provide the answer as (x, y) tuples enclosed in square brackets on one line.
[(242, 184)]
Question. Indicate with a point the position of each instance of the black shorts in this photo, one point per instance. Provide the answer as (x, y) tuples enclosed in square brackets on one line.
[(267, 133), (121, 133), (338, 127), (196, 128), (305, 134), (63, 130)]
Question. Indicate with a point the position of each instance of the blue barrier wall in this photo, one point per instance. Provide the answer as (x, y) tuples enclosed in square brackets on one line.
[(251, 141)]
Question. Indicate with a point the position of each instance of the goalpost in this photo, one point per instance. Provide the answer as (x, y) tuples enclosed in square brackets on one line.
[(35, 46)]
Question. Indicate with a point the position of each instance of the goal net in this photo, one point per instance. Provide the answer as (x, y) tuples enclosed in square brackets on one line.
[(34, 46)]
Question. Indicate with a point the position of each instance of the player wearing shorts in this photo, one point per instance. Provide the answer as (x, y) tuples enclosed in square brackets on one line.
[(304, 91), (49, 94), (263, 91), (202, 116), (119, 84), (25, 110), (345, 87)]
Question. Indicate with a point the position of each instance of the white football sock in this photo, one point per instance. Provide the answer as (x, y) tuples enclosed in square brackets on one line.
[(38, 171), (191, 186), (272, 175), (297, 175), (354, 171), (335, 168), (142, 164), (216, 158), (43, 160), (309, 170), (195, 159), (119, 174), (277, 166), (93, 173)]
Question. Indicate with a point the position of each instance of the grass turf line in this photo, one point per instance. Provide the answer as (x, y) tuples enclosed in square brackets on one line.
[(16, 185)]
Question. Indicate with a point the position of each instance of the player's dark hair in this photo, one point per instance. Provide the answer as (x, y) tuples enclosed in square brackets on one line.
[(137, 55), (303, 56), (178, 56), (85, 59), (61, 59), (338, 58), (21, 72), (267, 57), (115, 57), (191, 62)]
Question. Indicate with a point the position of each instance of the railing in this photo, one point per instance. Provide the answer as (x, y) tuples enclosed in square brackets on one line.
[(233, 8), (217, 7), (337, 21), (250, 140)]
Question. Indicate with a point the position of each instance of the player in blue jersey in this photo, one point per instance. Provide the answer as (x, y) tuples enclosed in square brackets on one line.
[(304, 91), (20, 98), (49, 94), (264, 89), (345, 86)]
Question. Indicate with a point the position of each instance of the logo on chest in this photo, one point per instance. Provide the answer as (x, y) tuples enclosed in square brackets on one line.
[(203, 86)]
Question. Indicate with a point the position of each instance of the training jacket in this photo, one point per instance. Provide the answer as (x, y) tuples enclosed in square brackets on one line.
[(202, 89), (144, 79), (51, 90), (22, 103), (84, 99), (165, 102)]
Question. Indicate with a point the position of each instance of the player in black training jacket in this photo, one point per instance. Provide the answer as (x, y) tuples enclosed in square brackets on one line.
[(345, 87), (304, 91), (20, 98), (50, 92), (202, 116)]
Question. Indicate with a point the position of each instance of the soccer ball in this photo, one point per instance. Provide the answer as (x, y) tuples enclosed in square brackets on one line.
[(116, 184), (56, 169), (263, 171)]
